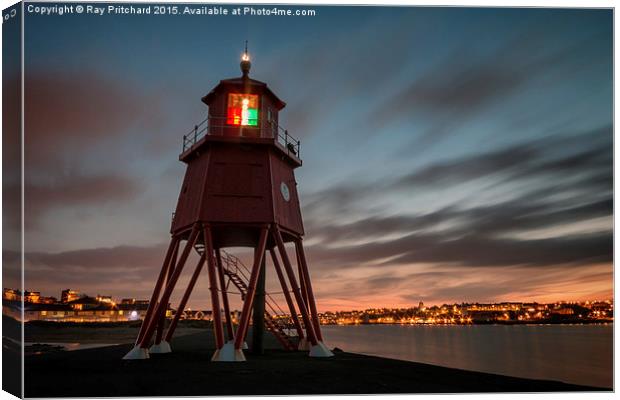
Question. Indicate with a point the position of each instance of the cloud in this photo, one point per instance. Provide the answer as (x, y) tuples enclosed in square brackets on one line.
[(469, 83), (84, 107), (68, 116), (120, 269), (588, 151), (67, 192), (75, 191), (553, 184), (563, 169), (509, 284), (111, 258)]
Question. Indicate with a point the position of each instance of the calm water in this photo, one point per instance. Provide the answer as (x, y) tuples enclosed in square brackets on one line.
[(581, 354)]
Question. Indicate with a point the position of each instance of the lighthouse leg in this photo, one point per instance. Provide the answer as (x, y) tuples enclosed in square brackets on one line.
[(287, 296), (220, 272), (249, 297), (322, 350), (138, 353), (183, 303), (174, 242), (163, 303), (303, 271), (213, 286), (302, 281), (158, 346), (297, 292)]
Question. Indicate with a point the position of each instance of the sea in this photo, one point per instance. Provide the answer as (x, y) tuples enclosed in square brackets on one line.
[(580, 354)]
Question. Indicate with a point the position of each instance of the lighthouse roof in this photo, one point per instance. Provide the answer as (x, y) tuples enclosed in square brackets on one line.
[(245, 84)]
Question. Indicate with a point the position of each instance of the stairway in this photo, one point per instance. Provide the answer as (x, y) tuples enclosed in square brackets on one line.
[(233, 269)]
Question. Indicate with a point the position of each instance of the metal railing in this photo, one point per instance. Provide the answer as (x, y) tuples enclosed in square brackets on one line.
[(193, 136), (215, 126), (290, 144)]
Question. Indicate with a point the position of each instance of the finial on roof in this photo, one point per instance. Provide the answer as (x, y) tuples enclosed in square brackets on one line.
[(245, 61)]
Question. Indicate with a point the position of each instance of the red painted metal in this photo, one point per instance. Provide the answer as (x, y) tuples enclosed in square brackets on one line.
[(213, 286), (231, 185), (304, 269), (287, 213), (174, 242), (163, 303), (287, 294), (162, 318), (183, 303), (249, 298), (296, 291), (230, 334), (302, 281)]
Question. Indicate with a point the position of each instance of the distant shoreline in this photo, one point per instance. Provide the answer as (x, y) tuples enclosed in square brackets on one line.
[(525, 323)]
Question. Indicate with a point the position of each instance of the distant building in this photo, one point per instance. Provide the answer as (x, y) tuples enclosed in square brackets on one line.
[(134, 301), (104, 299), (48, 300), (68, 295), (31, 297), (563, 311), (73, 309), (11, 295)]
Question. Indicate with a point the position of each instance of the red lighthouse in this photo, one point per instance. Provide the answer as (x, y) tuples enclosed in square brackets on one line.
[(239, 190)]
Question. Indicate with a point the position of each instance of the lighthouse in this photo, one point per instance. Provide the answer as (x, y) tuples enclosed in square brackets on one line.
[(239, 190)]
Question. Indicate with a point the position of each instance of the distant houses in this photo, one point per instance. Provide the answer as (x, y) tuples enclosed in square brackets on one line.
[(73, 307), (76, 307)]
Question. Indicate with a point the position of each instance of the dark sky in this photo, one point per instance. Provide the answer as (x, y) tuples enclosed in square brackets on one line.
[(450, 154)]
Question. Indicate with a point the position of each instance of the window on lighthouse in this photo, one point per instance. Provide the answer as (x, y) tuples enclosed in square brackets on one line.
[(242, 109)]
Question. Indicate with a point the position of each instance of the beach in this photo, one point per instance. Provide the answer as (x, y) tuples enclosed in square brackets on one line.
[(187, 371)]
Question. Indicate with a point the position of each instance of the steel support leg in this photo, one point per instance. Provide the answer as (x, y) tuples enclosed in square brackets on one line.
[(249, 298), (258, 311), (174, 243), (296, 291), (287, 295), (220, 272), (302, 281), (163, 303), (162, 318), (215, 302), (183, 303), (303, 266)]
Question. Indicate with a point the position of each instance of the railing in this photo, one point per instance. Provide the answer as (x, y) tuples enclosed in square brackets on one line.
[(291, 144), (211, 125), (195, 134)]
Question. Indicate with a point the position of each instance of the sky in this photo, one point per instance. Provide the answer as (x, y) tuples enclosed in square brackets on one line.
[(449, 154)]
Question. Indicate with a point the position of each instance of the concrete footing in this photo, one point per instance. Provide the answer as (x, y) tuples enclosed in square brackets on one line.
[(160, 348), (320, 350), (228, 353), (137, 353)]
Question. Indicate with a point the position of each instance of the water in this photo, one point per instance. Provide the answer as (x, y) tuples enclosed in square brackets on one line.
[(580, 354)]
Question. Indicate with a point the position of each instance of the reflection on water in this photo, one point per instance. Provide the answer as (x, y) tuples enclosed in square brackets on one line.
[(581, 354)]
